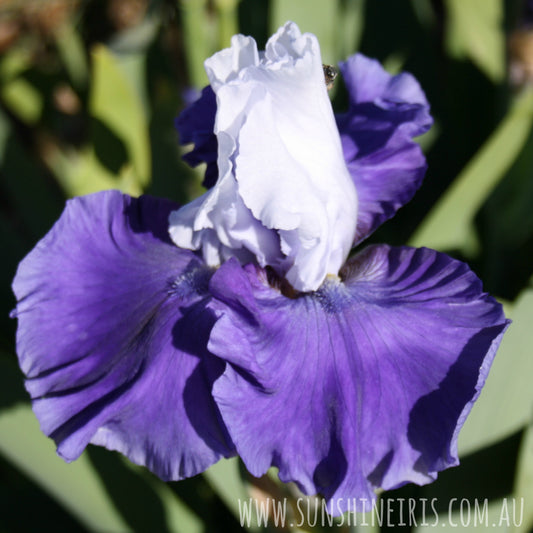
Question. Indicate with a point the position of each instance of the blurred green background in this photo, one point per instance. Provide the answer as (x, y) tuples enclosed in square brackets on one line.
[(88, 94)]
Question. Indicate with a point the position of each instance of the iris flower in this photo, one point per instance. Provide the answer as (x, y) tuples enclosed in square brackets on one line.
[(237, 324)]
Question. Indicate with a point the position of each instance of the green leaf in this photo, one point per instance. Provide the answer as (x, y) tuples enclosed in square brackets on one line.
[(72, 53), (137, 39), (449, 224), (129, 49), (506, 402), (23, 99), (225, 479), (145, 502), (314, 16), (524, 482), (179, 518), (198, 39), (76, 486), (475, 30), (80, 173), (228, 23), (15, 62), (115, 101), (350, 22), (25, 188), (116, 104)]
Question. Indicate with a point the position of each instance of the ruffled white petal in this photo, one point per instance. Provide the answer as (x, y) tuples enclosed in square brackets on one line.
[(284, 193)]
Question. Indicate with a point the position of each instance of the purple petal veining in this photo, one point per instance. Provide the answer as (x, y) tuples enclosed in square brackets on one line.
[(364, 383), (112, 337)]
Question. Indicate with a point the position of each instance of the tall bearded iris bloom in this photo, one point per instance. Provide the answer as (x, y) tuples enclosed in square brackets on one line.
[(236, 324)]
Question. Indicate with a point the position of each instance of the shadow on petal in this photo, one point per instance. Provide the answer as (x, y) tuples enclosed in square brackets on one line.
[(331, 470), (79, 421), (437, 417), (377, 475), (190, 335), (150, 214)]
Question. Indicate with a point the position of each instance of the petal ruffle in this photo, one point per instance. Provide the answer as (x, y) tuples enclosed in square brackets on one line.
[(282, 175), (385, 112), (112, 334), (362, 384)]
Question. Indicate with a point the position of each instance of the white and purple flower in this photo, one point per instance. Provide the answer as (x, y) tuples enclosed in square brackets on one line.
[(236, 324)]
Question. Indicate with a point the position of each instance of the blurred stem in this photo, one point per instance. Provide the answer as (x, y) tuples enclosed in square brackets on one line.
[(228, 21), (197, 49)]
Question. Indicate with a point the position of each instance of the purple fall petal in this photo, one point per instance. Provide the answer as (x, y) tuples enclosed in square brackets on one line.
[(364, 383), (104, 300), (385, 112)]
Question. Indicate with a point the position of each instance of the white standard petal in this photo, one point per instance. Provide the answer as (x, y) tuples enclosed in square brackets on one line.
[(284, 193)]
